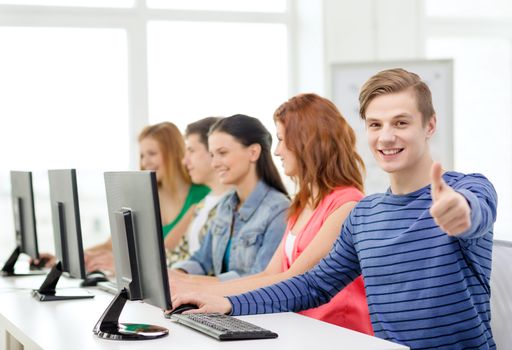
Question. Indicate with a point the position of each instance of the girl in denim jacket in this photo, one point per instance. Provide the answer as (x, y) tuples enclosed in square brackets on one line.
[(251, 220)]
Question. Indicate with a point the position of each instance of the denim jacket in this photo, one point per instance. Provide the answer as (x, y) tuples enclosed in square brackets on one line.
[(257, 231)]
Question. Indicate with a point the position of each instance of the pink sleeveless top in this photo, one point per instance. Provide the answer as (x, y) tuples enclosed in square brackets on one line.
[(348, 308)]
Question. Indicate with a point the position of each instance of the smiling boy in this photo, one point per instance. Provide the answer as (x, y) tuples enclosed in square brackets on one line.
[(423, 247)]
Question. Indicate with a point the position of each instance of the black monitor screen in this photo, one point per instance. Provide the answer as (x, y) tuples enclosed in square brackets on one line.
[(24, 220), (22, 196), (138, 247), (67, 236), (66, 221)]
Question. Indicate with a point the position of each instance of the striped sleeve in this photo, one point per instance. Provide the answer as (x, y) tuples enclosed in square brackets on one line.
[(482, 199), (311, 289)]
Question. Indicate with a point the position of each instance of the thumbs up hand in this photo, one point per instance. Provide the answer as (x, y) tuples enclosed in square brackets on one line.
[(449, 209)]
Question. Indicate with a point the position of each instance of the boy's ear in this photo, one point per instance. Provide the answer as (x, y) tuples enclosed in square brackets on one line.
[(431, 126)]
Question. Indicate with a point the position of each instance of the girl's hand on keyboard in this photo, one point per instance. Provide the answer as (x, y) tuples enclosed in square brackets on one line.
[(99, 260), (206, 303)]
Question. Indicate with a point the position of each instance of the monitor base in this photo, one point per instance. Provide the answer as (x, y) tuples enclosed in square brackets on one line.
[(133, 331), (8, 268), (108, 326), (59, 295), (48, 291), (23, 274)]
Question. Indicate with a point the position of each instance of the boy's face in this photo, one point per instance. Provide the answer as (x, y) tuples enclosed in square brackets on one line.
[(197, 160), (395, 131)]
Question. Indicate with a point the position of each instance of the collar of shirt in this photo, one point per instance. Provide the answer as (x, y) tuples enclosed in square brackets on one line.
[(252, 203)]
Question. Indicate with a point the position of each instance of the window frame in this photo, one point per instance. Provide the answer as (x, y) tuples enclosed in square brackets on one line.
[(134, 21)]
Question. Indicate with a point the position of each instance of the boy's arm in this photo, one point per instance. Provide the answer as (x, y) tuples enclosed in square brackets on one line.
[(311, 289)]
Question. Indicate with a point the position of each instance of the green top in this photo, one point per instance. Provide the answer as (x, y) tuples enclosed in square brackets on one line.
[(196, 193)]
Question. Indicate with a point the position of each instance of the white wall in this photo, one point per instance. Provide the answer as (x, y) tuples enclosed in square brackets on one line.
[(336, 31), (370, 30)]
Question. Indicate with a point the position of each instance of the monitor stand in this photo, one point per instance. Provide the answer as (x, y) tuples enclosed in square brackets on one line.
[(8, 268), (108, 326), (47, 291)]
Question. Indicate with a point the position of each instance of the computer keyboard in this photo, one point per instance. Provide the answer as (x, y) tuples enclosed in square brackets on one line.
[(223, 327), (109, 287)]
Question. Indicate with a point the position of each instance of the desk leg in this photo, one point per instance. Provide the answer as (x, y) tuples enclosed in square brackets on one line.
[(12, 343)]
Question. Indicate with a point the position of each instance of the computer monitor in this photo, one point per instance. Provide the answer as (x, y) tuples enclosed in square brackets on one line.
[(138, 247), (67, 236), (22, 196)]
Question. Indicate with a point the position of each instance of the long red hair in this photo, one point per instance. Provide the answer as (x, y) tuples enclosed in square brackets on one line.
[(324, 145)]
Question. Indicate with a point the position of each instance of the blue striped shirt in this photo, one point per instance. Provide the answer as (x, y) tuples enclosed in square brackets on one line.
[(425, 289)]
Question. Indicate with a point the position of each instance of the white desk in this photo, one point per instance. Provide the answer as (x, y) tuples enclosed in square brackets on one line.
[(64, 325)]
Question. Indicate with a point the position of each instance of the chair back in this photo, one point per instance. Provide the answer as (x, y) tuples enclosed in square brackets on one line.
[(501, 294)]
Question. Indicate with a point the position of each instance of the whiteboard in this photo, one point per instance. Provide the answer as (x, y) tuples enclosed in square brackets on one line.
[(346, 81)]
